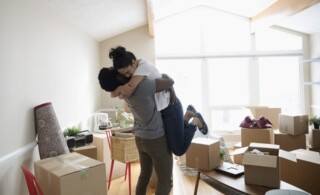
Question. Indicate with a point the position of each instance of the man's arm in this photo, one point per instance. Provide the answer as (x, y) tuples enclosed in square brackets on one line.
[(164, 83)]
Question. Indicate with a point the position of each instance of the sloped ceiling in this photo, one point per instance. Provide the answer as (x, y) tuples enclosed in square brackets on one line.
[(103, 19)]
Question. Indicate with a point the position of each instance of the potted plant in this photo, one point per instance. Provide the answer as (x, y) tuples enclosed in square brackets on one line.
[(315, 120), (71, 131)]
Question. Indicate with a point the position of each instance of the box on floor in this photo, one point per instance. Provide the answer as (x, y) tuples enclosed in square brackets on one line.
[(290, 142), (249, 135), (204, 154), (294, 124), (71, 173), (272, 114), (104, 155), (302, 169)]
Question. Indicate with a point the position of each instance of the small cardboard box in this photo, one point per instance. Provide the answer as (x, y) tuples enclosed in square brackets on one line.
[(237, 145), (256, 135), (71, 173), (272, 114), (314, 138), (204, 154), (290, 142), (87, 150), (263, 170), (302, 170), (294, 124)]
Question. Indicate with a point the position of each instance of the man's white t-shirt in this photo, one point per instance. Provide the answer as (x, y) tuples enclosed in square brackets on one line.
[(145, 68)]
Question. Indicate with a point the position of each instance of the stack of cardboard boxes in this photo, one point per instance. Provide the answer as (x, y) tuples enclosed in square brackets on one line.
[(261, 135), (292, 132)]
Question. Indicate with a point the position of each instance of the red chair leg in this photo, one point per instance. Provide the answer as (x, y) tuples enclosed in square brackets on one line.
[(125, 175), (110, 175), (129, 167)]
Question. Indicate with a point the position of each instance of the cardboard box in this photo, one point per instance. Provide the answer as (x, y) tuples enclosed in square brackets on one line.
[(290, 142), (294, 124), (87, 150), (302, 170), (203, 153), (104, 155), (256, 135), (263, 170), (71, 173), (272, 114), (314, 138)]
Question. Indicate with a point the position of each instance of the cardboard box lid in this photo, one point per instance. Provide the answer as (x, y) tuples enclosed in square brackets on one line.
[(264, 145), (239, 151), (204, 141), (307, 155), (67, 163), (260, 160)]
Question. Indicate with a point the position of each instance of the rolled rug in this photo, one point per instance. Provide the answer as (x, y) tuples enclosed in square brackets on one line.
[(50, 137)]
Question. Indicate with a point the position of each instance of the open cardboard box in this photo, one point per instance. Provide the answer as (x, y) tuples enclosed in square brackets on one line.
[(272, 114), (263, 170), (301, 168)]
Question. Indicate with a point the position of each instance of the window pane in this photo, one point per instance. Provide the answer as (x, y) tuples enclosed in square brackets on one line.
[(279, 83), (187, 80), (273, 40), (228, 81)]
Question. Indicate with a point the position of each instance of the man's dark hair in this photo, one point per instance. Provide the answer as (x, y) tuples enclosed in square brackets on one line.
[(110, 79)]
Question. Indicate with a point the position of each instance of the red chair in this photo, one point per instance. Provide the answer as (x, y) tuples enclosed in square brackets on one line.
[(32, 183), (128, 164)]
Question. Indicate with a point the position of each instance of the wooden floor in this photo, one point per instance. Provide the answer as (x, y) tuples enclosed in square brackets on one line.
[(182, 185)]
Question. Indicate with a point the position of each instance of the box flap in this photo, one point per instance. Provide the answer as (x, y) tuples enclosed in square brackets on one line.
[(204, 141), (260, 160), (287, 155), (263, 145), (307, 155), (239, 151)]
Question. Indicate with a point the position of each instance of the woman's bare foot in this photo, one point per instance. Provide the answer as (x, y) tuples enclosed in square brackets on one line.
[(200, 123)]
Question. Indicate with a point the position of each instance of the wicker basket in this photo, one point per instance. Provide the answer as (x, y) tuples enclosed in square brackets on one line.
[(124, 149)]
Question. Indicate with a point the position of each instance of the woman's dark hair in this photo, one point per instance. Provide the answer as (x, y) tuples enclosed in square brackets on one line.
[(121, 58), (110, 79)]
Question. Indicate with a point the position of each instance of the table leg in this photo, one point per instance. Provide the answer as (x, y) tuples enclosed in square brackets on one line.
[(197, 183)]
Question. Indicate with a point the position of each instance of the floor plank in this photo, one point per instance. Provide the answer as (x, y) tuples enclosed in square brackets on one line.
[(182, 184)]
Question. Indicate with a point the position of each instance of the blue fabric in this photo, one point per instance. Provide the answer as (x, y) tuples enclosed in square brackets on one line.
[(178, 132)]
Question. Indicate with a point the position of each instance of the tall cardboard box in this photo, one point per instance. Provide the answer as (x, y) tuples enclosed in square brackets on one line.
[(203, 153), (104, 155), (71, 173), (263, 170), (272, 114), (250, 135), (302, 170), (290, 142), (294, 124), (314, 138)]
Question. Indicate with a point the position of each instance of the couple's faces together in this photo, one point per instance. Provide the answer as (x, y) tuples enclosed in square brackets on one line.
[(129, 70)]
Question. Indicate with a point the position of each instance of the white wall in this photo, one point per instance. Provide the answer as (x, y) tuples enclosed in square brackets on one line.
[(43, 58), (137, 41)]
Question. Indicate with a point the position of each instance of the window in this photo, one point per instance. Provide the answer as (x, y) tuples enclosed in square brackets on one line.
[(220, 68)]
